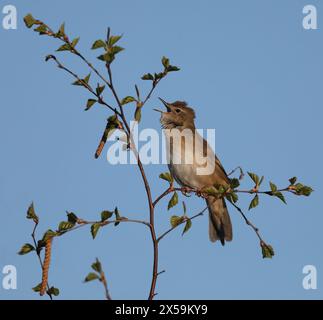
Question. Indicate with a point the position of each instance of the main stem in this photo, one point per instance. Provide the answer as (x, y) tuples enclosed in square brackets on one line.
[(147, 188)]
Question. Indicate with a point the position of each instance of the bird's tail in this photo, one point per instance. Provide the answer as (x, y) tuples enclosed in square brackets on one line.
[(220, 227)]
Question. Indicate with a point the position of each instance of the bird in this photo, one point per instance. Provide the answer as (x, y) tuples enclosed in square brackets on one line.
[(178, 115)]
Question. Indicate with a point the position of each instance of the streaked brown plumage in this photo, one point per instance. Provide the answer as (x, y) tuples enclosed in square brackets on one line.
[(180, 116)]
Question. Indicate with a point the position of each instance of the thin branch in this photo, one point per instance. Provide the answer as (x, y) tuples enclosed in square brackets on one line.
[(164, 194), (184, 221), (105, 285), (86, 85)]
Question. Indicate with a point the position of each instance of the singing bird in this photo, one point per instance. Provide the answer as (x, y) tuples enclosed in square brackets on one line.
[(179, 115)]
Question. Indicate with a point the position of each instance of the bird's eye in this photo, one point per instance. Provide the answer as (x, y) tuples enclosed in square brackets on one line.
[(178, 110)]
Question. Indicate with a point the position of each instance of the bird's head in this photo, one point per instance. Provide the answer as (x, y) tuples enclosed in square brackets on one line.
[(177, 115)]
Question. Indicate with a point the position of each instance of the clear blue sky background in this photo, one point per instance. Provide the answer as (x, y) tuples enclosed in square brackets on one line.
[(250, 70)]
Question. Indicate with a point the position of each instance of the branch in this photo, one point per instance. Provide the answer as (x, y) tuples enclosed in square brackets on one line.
[(184, 221)]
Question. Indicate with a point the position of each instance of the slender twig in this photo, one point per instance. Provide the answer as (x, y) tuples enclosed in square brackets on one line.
[(105, 285), (86, 85), (164, 194), (33, 235), (184, 220)]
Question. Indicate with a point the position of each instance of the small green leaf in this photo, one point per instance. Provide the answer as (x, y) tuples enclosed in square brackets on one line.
[(96, 266), (116, 49), (187, 227), (166, 176), (147, 76), (293, 180), (94, 229), (37, 288), (273, 187), (267, 251), (280, 196), (99, 89), (113, 40), (87, 78), (29, 20), (98, 44), (261, 180), (127, 99), (159, 75), (75, 42), (64, 47), (138, 114), (71, 217), (254, 202), (48, 235), (61, 31), (165, 62), (31, 213), (176, 220), (232, 197), (173, 201), (105, 215), (53, 291), (184, 208), (65, 225), (42, 29), (254, 178), (26, 248), (90, 103), (172, 68), (211, 191), (91, 276), (234, 183)]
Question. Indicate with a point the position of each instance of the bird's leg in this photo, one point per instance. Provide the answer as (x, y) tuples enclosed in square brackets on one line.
[(186, 191)]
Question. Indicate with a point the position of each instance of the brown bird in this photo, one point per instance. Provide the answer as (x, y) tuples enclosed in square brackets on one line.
[(194, 174)]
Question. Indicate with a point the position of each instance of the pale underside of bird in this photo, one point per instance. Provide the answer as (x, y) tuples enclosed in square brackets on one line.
[(193, 164)]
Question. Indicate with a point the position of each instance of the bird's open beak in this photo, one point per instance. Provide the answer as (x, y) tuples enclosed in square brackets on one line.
[(166, 104)]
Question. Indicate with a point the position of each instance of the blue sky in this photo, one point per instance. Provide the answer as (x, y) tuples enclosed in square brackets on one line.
[(250, 71)]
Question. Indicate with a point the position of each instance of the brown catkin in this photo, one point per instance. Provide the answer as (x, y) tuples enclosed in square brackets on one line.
[(48, 249)]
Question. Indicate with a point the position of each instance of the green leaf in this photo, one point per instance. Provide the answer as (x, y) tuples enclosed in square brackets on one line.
[(127, 99), (117, 214), (188, 226), (234, 183), (232, 197), (173, 201), (114, 39), (64, 47), (42, 29), (53, 291), (176, 220), (116, 49), (254, 178), (184, 208), (98, 44), (29, 20), (293, 180), (87, 78), (254, 202), (302, 190), (99, 89), (172, 68), (94, 229), (75, 42), (211, 191), (96, 266), (280, 196), (147, 76), (48, 235), (31, 213), (26, 248), (261, 180), (107, 57), (71, 217), (166, 176), (273, 187), (138, 114), (267, 251), (159, 75), (65, 225), (61, 31), (37, 288), (165, 62), (105, 215), (90, 103), (91, 276)]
